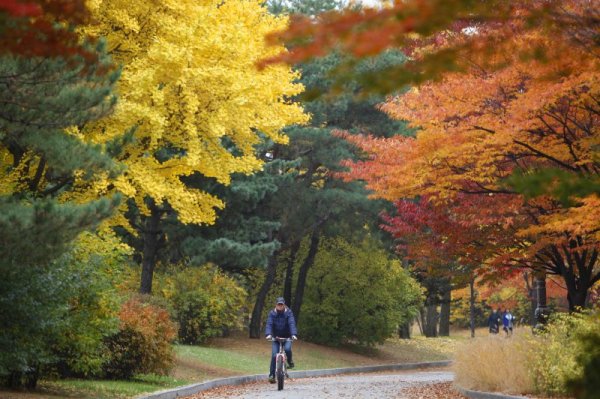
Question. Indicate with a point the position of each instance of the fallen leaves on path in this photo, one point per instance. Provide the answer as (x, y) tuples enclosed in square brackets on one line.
[(225, 391), (442, 390)]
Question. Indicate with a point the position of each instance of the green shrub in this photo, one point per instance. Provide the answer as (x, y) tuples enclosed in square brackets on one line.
[(193, 317), (55, 317), (93, 268), (143, 343), (205, 302), (560, 350), (354, 293), (126, 349), (587, 385), (32, 312)]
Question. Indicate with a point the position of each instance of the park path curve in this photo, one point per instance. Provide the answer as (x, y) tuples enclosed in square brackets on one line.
[(366, 385)]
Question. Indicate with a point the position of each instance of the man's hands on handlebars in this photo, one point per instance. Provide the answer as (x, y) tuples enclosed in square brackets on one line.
[(270, 337)]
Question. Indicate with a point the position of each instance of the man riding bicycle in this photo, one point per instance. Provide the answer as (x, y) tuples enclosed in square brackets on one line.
[(281, 323)]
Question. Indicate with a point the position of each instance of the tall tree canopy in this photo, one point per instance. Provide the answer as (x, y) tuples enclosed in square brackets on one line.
[(42, 158), (315, 203), (189, 86), (438, 35), (198, 104), (445, 36), (482, 126), (51, 82)]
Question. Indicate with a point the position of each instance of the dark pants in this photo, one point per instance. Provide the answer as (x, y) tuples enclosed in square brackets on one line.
[(287, 347)]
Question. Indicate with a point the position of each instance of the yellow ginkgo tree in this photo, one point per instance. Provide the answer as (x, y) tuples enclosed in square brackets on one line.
[(194, 100)]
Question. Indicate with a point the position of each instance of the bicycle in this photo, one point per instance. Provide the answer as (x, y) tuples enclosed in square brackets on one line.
[(280, 360)]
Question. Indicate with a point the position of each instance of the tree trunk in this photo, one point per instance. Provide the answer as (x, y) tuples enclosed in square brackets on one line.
[(472, 306), (576, 266), (255, 321), (577, 300), (532, 298), (431, 315), (578, 285), (431, 319), (289, 273), (151, 241), (404, 330), (303, 272), (445, 310), (541, 310), (19, 379)]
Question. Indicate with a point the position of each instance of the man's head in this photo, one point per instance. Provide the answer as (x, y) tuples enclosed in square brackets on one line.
[(280, 304)]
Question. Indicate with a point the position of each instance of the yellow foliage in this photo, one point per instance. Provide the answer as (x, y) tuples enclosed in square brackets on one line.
[(188, 83), (103, 242)]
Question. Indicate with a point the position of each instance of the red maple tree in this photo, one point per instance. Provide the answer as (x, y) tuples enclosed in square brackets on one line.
[(44, 28)]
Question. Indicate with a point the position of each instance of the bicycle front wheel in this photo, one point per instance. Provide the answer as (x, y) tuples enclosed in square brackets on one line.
[(280, 373)]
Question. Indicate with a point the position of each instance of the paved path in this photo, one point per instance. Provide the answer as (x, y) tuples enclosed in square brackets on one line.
[(368, 385)]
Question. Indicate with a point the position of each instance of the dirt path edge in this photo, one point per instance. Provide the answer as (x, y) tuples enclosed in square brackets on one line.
[(486, 395), (193, 389)]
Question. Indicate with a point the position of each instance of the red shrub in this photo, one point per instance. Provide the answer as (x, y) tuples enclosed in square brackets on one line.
[(143, 343)]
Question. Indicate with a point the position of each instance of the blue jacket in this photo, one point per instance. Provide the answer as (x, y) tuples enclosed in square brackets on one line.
[(507, 319), (281, 324)]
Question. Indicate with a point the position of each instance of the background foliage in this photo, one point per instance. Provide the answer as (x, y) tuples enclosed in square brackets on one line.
[(206, 302), (356, 294), (556, 362)]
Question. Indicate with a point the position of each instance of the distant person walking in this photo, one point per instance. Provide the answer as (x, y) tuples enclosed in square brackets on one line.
[(494, 322), (507, 322)]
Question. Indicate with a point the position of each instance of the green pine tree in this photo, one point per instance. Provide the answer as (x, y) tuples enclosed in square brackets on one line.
[(40, 99), (39, 163), (243, 235), (315, 204)]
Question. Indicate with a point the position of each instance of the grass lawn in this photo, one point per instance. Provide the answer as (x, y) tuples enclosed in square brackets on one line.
[(98, 389), (239, 355)]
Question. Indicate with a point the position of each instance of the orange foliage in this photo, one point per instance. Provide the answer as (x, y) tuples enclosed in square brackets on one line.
[(144, 340), (370, 31), (479, 127), (437, 35), (505, 295), (153, 322)]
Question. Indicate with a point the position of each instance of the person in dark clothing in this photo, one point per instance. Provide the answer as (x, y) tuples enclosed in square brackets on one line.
[(281, 324), (494, 322)]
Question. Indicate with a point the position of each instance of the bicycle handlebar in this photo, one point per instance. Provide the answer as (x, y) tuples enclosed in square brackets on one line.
[(280, 339)]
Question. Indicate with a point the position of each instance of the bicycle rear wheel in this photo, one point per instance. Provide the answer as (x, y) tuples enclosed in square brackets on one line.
[(280, 373)]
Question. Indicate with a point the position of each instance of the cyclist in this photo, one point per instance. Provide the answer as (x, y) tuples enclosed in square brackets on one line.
[(281, 323)]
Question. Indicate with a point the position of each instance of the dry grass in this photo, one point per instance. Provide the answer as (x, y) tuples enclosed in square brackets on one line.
[(495, 363)]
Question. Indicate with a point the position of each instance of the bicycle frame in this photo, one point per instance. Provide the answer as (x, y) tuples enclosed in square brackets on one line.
[(280, 360)]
